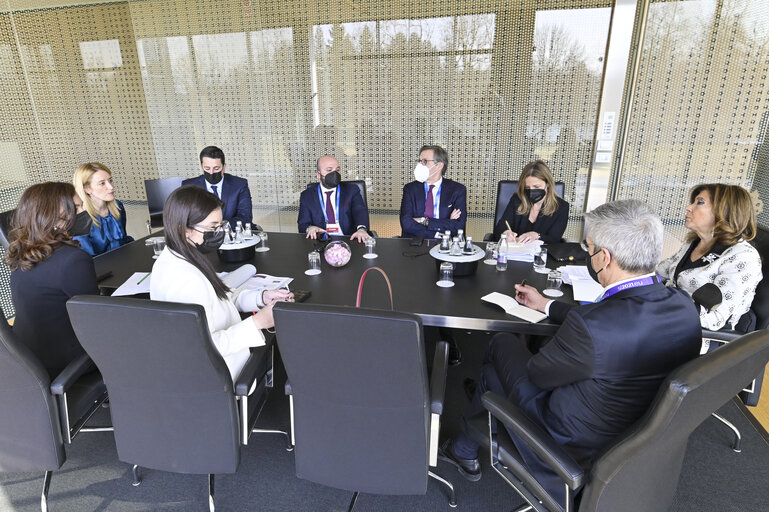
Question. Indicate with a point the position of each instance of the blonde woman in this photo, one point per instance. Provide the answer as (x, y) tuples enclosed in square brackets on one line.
[(93, 183), (534, 212)]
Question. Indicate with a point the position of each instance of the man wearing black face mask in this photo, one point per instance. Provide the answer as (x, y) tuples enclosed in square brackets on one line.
[(332, 207), (232, 190)]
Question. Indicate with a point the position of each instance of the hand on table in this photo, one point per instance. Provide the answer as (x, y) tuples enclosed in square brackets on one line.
[(529, 236), (272, 296), (361, 235), (509, 236), (312, 232)]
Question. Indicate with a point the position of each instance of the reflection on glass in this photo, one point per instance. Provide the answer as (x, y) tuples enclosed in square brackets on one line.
[(101, 54)]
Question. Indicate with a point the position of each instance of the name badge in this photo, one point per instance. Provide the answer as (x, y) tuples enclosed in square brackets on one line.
[(333, 229)]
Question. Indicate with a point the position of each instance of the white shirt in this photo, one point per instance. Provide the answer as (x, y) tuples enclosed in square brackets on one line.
[(332, 198), (436, 197), (176, 280), (218, 186)]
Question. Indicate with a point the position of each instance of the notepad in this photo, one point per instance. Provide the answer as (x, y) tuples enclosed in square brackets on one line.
[(511, 307)]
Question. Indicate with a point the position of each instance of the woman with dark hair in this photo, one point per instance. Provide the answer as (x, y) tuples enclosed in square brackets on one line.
[(534, 212), (722, 221), (47, 268), (192, 218), (93, 183)]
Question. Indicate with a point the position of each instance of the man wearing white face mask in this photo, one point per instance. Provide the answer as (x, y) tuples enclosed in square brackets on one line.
[(432, 204)]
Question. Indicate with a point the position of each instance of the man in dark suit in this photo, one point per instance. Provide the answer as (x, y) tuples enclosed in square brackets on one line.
[(332, 207), (601, 370), (432, 204), (230, 189)]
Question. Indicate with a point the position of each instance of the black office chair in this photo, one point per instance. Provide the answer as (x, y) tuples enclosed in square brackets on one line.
[(5, 227), (505, 191), (638, 472), (35, 421), (171, 394), (361, 184), (363, 417), (157, 193)]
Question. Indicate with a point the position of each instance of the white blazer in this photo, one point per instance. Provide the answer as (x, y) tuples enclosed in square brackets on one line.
[(174, 279), (736, 272)]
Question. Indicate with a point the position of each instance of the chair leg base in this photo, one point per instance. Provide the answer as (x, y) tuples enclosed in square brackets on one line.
[(447, 484), (353, 501), (737, 443), (44, 495), (289, 446), (211, 506), (137, 476)]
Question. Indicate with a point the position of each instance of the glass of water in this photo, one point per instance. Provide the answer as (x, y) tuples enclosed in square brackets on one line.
[(446, 275), (540, 261), (554, 281), (313, 262), (263, 242), (491, 253), (370, 246), (157, 246)]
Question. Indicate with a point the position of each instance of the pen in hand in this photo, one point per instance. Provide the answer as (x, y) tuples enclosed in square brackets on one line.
[(510, 229)]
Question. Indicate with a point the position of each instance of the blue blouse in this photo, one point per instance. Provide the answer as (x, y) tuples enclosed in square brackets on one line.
[(111, 234)]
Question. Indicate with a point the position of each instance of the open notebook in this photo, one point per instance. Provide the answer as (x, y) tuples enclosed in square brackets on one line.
[(511, 307)]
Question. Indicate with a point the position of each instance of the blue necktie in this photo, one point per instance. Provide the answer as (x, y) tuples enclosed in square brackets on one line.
[(213, 187)]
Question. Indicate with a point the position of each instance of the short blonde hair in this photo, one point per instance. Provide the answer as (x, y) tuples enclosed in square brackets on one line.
[(537, 169), (82, 177), (733, 210)]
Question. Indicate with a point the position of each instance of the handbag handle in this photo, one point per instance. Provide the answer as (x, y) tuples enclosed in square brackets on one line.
[(363, 278)]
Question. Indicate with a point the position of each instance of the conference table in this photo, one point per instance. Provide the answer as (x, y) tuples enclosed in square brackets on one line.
[(412, 272)]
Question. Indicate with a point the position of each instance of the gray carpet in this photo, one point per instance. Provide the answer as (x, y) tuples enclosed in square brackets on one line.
[(92, 479)]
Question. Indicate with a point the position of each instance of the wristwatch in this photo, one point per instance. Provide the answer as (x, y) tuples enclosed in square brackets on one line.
[(425, 221)]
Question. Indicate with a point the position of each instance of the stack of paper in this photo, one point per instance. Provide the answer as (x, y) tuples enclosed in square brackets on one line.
[(585, 289), (523, 252)]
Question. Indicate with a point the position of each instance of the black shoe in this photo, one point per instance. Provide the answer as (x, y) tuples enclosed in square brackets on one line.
[(469, 386), (455, 355), (468, 468)]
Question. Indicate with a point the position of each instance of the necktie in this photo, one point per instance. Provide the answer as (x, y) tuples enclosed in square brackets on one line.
[(213, 187), (330, 209), (429, 204)]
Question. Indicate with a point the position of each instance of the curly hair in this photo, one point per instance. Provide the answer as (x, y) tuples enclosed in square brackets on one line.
[(36, 229), (733, 210)]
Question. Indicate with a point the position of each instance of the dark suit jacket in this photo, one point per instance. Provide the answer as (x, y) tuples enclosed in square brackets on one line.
[(40, 296), (453, 196), (235, 194), (352, 211), (549, 227), (602, 369)]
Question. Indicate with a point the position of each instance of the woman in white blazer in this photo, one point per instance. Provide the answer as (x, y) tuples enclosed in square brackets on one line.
[(192, 218), (722, 221)]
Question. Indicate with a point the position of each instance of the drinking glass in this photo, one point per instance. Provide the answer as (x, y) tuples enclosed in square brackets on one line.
[(263, 243), (446, 275), (554, 281), (157, 246), (313, 260), (370, 246), (491, 253), (540, 261)]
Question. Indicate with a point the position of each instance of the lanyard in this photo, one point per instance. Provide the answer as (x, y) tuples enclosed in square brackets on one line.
[(437, 202), (323, 204), (634, 283)]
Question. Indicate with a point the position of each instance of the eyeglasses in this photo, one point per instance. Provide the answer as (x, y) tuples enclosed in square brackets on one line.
[(216, 229), (584, 247), (424, 161)]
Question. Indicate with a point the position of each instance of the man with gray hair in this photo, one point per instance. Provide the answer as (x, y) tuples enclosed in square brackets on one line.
[(601, 370)]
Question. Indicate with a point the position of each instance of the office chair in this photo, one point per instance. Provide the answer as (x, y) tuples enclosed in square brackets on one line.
[(38, 416), (5, 227), (361, 184), (640, 470), (363, 416), (506, 189), (173, 403), (157, 193)]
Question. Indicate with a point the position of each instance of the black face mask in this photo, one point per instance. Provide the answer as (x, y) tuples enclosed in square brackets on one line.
[(82, 224), (535, 195), (331, 180), (214, 177), (590, 269), (212, 240)]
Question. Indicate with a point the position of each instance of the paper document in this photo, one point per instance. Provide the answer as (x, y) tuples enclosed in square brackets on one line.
[(511, 307), (238, 276), (139, 282), (586, 290)]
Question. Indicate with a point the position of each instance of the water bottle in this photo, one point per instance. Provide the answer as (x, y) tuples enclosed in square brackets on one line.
[(461, 236), (502, 255), (456, 249), (468, 249), (248, 233), (239, 233), (445, 243)]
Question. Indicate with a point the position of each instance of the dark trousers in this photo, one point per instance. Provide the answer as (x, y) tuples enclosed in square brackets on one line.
[(504, 372)]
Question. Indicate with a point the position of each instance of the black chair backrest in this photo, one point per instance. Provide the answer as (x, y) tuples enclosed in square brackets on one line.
[(5, 227), (361, 184), (30, 435), (157, 193), (360, 392), (505, 191), (640, 471), (760, 306), (171, 395)]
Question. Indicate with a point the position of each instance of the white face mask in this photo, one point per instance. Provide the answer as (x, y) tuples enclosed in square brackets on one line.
[(421, 172)]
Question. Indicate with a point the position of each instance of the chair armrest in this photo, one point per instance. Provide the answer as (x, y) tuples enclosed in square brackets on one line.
[(373, 233), (248, 374), (724, 336), (287, 389), (438, 377), (488, 237), (536, 438), (71, 373)]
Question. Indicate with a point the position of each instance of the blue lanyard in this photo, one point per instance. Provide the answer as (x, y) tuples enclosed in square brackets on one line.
[(323, 204), (635, 283), (437, 202)]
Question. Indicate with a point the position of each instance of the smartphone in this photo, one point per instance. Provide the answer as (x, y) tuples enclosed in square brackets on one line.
[(301, 295), (416, 242)]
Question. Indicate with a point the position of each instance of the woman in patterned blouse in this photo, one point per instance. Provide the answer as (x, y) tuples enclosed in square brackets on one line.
[(722, 221)]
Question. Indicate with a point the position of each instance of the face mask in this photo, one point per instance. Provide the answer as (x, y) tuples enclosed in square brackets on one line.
[(535, 195), (421, 172), (331, 180), (212, 240), (590, 269), (82, 224), (214, 177)]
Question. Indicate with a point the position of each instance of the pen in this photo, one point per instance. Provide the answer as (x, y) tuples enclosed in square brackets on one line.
[(523, 283), (508, 227), (143, 278)]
